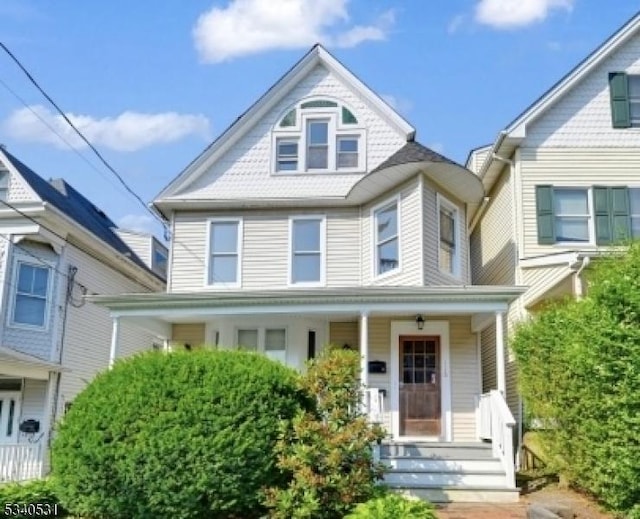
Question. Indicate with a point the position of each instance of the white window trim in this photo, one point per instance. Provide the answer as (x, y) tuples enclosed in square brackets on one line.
[(336, 129), (262, 336), (224, 285), (442, 201), (323, 251), (374, 238), (591, 226), (12, 302), (632, 214)]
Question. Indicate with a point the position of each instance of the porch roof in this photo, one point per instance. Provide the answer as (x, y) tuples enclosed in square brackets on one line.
[(440, 299), (15, 363)]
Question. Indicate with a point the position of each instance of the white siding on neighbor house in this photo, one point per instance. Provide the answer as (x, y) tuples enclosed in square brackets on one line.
[(265, 248), (431, 238), (493, 250), (138, 243), (245, 170), (19, 190), (570, 167), (477, 158), (34, 341), (87, 338), (582, 118), (34, 394), (410, 229), (542, 279)]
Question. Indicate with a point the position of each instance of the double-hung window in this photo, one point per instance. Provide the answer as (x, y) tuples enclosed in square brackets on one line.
[(307, 238), (225, 238), (387, 239), (317, 144), (32, 289), (571, 209), (347, 152), (287, 154), (448, 236)]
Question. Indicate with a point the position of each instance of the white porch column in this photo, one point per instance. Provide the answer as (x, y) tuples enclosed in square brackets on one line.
[(48, 417), (500, 375), (364, 348), (166, 347), (115, 341)]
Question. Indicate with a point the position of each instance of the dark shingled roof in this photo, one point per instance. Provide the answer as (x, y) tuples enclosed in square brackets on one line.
[(65, 198), (413, 151)]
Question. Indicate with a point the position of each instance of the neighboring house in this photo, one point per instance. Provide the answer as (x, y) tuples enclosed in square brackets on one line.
[(318, 218), (55, 247), (562, 184)]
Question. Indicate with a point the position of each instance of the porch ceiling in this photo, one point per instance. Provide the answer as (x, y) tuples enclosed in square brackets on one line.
[(354, 301)]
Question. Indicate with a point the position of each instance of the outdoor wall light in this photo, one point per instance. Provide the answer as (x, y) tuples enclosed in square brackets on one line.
[(420, 321)]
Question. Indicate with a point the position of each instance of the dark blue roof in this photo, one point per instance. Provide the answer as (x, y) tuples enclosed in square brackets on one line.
[(65, 198)]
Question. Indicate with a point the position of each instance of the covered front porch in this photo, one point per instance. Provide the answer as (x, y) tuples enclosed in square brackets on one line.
[(420, 348), (27, 392)]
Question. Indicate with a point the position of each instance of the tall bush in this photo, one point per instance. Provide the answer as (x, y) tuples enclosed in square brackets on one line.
[(579, 374), (328, 452), (184, 435)]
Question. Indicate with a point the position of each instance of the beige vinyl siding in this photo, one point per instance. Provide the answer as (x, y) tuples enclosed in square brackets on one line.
[(465, 380), (488, 357), (493, 249), (477, 158), (87, 339), (343, 248), (410, 228), (571, 167), (265, 248), (542, 279), (188, 333), (188, 252), (34, 394), (431, 240)]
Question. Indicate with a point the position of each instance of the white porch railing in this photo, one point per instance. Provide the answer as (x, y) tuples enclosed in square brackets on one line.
[(374, 404), (496, 423), (20, 462)]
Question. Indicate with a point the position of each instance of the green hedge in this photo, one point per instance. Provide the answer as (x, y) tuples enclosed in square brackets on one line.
[(579, 373), (184, 435), (40, 491), (393, 506)]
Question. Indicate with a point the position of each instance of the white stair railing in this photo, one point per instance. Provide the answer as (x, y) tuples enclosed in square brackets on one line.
[(496, 423), (374, 405), (20, 462)]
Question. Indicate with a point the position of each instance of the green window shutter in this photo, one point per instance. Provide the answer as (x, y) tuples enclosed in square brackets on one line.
[(602, 210), (620, 214), (619, 94), (545, 217)]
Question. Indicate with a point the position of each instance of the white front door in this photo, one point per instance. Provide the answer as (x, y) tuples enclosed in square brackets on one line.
[(9, 415)]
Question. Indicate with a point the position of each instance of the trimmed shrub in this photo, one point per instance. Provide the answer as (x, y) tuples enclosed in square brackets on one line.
[(579, 374), (184, 435), (329, 451), (38, 491), (393, 506)]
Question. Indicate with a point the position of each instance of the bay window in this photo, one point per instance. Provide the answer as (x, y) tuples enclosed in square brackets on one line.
[(387, 240), (31, 294)]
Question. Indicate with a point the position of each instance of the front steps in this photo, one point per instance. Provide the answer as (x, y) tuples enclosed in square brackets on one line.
[(446, 472)]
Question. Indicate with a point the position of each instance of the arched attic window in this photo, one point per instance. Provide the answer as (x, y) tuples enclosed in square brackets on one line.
[(318, 135)]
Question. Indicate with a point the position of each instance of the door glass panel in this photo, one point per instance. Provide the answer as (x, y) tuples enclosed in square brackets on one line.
[(419, 377), (407, 378), (12, 409)]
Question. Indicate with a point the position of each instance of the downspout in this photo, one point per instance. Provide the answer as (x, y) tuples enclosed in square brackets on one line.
[(579, 285)]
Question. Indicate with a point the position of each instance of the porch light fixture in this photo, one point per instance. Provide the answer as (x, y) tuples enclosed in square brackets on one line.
[(420, 321)]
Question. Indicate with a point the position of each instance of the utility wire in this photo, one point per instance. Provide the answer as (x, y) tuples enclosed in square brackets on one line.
[(80, 134)]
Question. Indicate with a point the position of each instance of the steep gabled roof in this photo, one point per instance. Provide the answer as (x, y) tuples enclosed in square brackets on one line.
[(316, 55), (517, 127), (82, 211)]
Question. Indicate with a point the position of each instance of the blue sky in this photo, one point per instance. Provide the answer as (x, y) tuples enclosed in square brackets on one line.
[(151, 83)]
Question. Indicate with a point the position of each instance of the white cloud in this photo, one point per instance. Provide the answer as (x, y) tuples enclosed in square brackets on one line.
[(251, 26), (508, 14), (138, 222), (399, 104), (129, 131)]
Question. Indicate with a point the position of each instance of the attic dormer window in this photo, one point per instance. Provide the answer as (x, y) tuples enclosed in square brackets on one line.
[(318, 136)]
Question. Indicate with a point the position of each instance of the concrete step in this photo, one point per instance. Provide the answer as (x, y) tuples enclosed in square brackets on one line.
[(452, 451), (406, 463), (412, 478), (469, 494)]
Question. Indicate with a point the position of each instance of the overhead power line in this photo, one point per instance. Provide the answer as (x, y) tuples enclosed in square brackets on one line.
[(81, 135)]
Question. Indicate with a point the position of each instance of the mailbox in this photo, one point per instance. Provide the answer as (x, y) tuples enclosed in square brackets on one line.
[(377, 366), (30, 426)]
